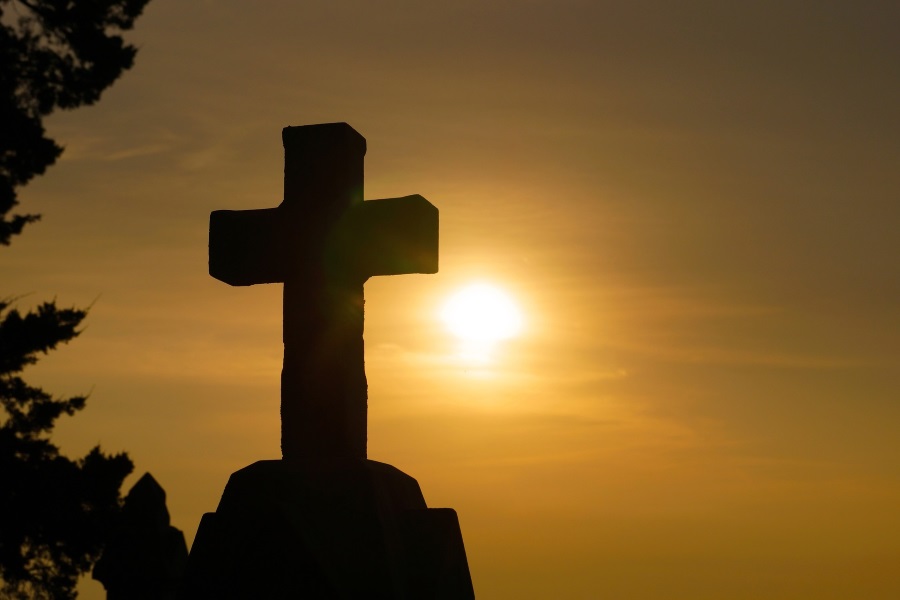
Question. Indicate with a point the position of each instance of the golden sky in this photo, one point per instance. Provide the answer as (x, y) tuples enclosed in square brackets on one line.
[(694, 204)]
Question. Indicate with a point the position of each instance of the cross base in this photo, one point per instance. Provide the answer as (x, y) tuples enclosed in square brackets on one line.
[(340, 529)]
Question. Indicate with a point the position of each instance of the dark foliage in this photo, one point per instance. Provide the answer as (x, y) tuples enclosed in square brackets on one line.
[(53, 54), (55, 513)]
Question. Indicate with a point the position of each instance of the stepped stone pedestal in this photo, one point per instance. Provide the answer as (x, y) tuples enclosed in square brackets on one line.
[(333, 529)]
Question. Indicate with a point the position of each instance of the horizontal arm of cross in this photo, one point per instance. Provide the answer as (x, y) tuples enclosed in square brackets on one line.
[(378, 237)]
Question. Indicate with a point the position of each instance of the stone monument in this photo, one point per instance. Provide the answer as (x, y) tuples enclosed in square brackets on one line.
[(325, 522), (144, 558)]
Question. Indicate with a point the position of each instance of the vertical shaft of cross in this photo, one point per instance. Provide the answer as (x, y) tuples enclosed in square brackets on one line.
[(323, 381)]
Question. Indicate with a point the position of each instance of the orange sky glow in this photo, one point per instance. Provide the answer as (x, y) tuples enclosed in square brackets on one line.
[(693, 205)]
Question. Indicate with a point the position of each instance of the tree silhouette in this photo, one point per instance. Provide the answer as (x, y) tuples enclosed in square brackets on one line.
[(53, 54), (54, 512)]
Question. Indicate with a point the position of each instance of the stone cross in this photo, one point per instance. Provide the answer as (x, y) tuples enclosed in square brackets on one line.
[(323, 242)]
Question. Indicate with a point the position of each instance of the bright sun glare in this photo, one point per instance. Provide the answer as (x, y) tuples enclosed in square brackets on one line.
[(483, 314)]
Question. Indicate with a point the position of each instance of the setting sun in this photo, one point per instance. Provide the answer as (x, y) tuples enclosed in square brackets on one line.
[(482, 313)]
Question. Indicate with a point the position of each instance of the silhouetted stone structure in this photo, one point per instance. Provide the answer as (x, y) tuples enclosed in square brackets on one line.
[(325, 522), (146, 556)]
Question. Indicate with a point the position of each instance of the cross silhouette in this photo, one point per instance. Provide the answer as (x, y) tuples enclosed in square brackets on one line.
[(323, 242)]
